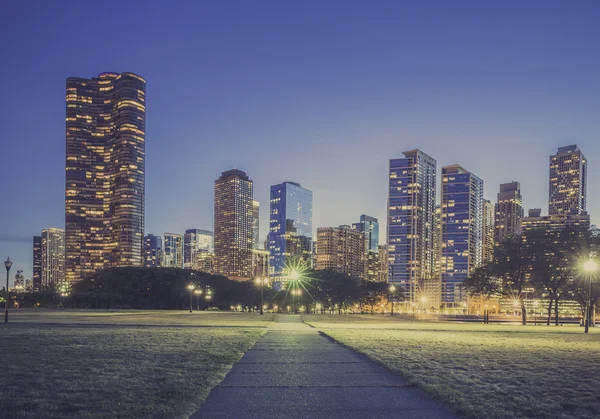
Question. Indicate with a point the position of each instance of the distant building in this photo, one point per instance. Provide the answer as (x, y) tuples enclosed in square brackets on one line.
[(369, 226), (233, 225), (260, 263), (290, 228), (196, 240), (557, 222), (489, 230), (203, 261), (568, 182), (342, 249), (153, 251), (29, 284), (383, 263), (53, 257), (411, 219), (255, 224), (173, 250), (105, 173), (509, 211), (37, 263), (462, 231)]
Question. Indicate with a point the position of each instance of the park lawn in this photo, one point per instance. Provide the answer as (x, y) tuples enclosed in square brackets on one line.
[(139, 317), (117, 371), (493, 371)]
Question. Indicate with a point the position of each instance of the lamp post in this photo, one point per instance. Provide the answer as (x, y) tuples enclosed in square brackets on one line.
[(261, 282), (590, 267), (8, 265), (191, 288), (295, 292), (198, 293), (392, 290)]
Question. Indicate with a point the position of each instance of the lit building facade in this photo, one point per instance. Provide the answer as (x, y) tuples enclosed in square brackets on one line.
[(233, 225), (383, 263), (255, 224), (342, 249), (105, 173), (411, 225), (369, 226), (462, 231), (153, 251), (508, 211), (290, 228), (568, 182), (173, 250), (556, 222), (53, 257), (260, 263), (196, 240), (489, 230), (37, 263)]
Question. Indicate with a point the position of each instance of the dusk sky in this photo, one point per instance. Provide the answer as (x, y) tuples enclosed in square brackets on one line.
[(322, 93)]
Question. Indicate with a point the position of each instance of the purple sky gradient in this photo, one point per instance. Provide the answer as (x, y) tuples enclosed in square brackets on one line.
[(323, 93)]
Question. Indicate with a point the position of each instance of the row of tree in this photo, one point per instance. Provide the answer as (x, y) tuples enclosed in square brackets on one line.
[(168, 288), (539, 264)]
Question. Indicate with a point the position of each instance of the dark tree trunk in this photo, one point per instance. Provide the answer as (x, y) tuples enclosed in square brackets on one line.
[(523, 313), (556, 311)]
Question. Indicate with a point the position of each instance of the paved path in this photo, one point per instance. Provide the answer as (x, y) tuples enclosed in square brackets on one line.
[(294, 372)]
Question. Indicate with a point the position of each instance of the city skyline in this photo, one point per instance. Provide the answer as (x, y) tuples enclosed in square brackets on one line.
[(467, 112)]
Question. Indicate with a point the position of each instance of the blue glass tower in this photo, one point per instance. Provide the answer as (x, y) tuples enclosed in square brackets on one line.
[(369, 226), (290, 228), (462, 231), (411, 226)]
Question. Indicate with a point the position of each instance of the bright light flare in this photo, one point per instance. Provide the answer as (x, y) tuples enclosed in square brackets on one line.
[(590, 266)]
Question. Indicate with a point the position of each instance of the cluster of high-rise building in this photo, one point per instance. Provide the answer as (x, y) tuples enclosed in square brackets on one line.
[(433, 249), (429, 249)]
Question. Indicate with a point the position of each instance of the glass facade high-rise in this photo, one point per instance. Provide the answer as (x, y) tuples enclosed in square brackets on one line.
[(105, 173), (233, 225), (462, 231), (53, 257), (194, 241), (290, 228), (173, 250), (568, 182), (153, 251), (411, 225), (369, 226), (37, 263), (509, 211)]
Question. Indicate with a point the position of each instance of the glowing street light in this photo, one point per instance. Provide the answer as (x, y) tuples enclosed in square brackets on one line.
[(591, 267), (262, 282), (191, 288), (7, 265), (198, 293), (392, 290)]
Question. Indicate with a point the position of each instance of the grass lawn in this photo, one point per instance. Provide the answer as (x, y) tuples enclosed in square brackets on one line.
[(78, 364), (483, 371)]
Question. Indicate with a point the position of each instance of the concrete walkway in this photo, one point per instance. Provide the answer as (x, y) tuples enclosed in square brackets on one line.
[(294, 372)]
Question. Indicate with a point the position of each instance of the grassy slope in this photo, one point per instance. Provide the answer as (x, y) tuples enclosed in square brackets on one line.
[(71, 371), (484, 371)]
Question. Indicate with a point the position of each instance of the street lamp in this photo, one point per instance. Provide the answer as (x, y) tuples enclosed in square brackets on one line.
[(391, 289), (198, 293), (8, 265), (261, 282), (191, 288), (590, 267)]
